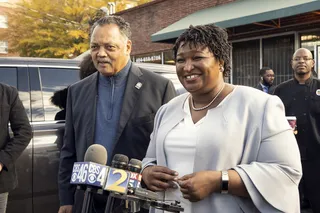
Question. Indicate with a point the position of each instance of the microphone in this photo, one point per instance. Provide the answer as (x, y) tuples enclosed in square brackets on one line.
[(90, 173), (134, 167), (120, 161), (93, 171), (118, 179), (123, 182), (96, 153)]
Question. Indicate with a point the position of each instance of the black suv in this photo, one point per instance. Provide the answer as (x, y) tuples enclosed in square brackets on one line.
[(37, 79)]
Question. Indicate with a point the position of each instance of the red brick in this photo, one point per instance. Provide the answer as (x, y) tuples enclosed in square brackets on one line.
[(150, 18)]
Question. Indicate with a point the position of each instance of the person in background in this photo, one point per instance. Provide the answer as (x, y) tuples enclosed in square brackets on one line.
[(221, 148), (301, 98), (59, 97), (86, 67), (114, 107), (13, 112), (266, 80)]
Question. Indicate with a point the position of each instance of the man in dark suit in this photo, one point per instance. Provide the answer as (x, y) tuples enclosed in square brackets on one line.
[(266, 80), (13, 112), (301, 98), (114, 107)]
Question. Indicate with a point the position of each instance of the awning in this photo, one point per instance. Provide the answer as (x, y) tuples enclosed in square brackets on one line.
[(238, 13)]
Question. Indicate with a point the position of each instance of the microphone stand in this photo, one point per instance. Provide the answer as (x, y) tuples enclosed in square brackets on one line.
[(134, 206), (146, 203), (87, 201), (111, 199), (110, 203)]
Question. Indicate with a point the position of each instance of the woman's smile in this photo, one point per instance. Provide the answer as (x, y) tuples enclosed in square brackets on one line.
[(191, 78)]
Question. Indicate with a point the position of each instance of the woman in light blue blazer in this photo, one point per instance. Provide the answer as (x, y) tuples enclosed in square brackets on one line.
[(220, 147)]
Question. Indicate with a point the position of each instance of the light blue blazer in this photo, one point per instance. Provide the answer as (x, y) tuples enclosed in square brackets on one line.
[(247, 132)]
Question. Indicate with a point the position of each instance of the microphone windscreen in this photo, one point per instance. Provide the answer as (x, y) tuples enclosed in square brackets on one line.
[(96, 153), (120, 161), (135, 165)]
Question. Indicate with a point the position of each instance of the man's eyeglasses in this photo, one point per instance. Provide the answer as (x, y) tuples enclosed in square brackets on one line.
[(302, 58)]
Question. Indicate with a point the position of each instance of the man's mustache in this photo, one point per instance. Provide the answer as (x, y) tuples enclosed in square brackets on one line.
[(105, 61)]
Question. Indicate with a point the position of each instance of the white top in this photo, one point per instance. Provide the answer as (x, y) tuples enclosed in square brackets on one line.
[(180, 148)]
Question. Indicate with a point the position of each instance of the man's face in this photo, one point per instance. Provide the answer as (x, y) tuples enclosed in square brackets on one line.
[(110, 50), (268, 77), (302, 62)]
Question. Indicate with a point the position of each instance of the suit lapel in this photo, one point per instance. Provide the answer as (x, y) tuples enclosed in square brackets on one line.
[(175, 116), (91, 105), (1, 105), (131, 95)]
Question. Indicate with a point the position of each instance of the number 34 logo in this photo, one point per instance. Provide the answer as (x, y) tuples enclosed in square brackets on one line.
[(117, 181)]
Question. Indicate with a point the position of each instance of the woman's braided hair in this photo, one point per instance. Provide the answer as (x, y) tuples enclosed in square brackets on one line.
[(211, 36)]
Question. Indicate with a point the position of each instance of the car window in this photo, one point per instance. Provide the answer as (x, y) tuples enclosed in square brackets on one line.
[(8, 75), (54, 82)]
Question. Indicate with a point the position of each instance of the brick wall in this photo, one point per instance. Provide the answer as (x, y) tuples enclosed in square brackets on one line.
[(150, 18)]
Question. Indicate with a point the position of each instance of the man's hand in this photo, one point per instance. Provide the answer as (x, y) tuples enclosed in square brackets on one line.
[(159, 178), (1, 167), (199, 185), (65, 209)]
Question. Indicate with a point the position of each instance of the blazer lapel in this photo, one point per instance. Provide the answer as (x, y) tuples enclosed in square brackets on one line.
[(131, 95), (259, 87), (175, 116), (91, 105), (1, 105)]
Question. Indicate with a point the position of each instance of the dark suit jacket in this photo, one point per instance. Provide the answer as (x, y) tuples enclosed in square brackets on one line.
[(271, 89), (135, 125), (11, 110)]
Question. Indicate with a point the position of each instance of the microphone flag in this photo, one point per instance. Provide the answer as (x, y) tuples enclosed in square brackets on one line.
[(89, 173)]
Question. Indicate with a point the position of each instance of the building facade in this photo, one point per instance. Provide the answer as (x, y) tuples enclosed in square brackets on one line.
[(151, 17), (5, 7), (266, 37)]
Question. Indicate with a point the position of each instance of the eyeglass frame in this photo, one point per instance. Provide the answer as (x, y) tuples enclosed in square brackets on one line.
[(299, 58)]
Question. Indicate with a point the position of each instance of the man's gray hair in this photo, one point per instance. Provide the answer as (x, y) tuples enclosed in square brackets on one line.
[(124, 26)]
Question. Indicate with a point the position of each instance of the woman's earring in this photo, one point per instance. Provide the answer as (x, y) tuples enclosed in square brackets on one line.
[(221, 69)]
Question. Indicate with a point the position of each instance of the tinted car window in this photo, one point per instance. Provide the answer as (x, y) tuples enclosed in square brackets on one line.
[(8, 75), (56, 80)]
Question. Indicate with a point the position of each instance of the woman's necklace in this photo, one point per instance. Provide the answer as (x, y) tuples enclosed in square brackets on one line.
[(206, 106)]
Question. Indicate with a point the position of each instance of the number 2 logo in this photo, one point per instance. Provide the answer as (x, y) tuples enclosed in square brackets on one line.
[(117, 181)]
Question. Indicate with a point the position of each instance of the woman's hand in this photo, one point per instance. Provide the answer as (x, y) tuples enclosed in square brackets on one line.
[(199, 185), (159, 178)]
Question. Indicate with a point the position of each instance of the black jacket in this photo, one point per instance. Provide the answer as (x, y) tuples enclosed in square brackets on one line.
[(270, 91), (303, 102), (135, 125), (11, 110)]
